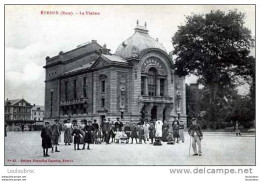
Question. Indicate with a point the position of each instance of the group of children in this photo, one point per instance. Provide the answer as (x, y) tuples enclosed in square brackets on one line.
[(50, 137), (87, 132)]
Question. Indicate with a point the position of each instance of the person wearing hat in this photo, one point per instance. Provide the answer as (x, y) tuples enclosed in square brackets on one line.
[(175, 129), (118, 124), (196, 136), (55, 130), (181, 130), (175, 120), (46, 139)]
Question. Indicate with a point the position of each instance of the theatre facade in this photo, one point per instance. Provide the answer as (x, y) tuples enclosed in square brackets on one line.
[(137, 81)]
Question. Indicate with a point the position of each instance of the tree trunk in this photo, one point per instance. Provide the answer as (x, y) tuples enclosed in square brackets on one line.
[(212, 105)]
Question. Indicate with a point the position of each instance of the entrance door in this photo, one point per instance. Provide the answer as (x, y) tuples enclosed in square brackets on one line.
[(154, 113), (102, 117), (143, 115), (164, 115)]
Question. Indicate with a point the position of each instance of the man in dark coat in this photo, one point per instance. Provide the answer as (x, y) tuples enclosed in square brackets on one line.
[(106, 131), (151, 132), (55, 130), (95, 125), (118, 124), (196, 136), (89, 130), (46, 139)]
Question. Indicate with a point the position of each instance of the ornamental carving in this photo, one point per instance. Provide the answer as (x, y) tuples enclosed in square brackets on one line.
[(122, 91), (156, 63)]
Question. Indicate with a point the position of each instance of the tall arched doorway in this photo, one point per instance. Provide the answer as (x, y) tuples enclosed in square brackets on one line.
[(143, 113), (154, 113)]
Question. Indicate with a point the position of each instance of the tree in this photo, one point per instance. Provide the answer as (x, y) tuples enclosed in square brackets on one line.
[(215, 47)]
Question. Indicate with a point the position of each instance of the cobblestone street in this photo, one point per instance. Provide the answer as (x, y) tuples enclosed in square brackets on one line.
[(24, 148)]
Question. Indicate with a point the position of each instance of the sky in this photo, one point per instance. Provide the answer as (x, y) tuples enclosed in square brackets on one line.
[(31, 36)]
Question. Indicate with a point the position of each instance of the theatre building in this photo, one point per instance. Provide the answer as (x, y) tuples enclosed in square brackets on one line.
[(137, 81)]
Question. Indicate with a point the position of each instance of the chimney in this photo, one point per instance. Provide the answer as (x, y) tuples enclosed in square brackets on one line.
[(94, 41)]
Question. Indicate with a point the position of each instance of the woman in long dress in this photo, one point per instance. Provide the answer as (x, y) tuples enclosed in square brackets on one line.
[(89, 130), (158, 129), (67, 132), (164, 132)]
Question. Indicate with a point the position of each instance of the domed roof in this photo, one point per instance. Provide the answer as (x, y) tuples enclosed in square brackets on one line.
[(139, 41)]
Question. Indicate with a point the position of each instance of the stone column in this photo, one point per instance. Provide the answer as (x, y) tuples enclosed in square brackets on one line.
[(160, 109), (168, 111), (146, 86), (158, 87), (148, 108), (94, 92)]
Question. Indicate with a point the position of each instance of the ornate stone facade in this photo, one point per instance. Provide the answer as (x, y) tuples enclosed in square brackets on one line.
[(137, 81)]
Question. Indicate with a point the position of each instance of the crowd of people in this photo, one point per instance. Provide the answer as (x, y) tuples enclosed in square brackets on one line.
[(86, 133)]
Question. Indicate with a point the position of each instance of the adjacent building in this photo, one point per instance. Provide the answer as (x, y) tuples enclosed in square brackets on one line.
[(17, 111), (137, 81), (37, 113)]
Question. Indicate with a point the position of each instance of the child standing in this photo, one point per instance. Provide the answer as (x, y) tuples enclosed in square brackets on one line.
[(99, 135), (134, 133), (181, 131), (170, 140), (89, 130), (55, 130), (175, 129), (127, 130), (77, 135), (141, 134), (46, 139)]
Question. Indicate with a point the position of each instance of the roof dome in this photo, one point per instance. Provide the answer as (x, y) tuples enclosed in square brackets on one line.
[(139, 41)]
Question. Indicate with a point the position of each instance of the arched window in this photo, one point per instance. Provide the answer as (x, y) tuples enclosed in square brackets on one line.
[(152, 76)]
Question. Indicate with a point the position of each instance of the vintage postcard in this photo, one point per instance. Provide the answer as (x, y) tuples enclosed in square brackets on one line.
[(130, 85)]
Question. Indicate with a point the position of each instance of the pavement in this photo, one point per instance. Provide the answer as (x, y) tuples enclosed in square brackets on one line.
[(24, 148)]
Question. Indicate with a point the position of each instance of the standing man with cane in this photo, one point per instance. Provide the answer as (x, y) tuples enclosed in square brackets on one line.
[(196, 137)]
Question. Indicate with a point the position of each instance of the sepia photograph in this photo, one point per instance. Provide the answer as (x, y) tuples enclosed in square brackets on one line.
[(129, 85)]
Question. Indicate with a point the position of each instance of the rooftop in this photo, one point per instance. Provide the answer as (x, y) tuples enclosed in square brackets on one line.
[(139, 41)]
